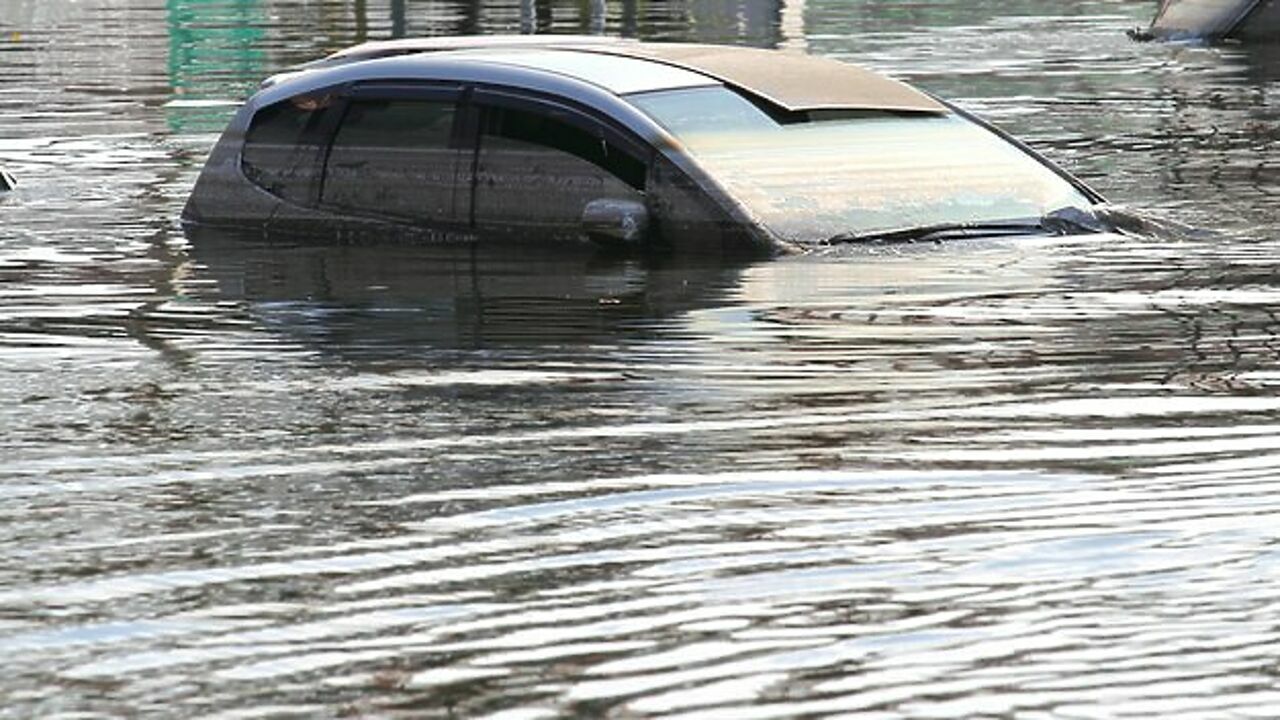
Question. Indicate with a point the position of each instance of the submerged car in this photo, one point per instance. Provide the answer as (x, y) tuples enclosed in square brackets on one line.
[(1244, 20), (591, 141)]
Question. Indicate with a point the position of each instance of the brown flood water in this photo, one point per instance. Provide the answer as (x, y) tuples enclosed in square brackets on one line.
[(1014, 479)]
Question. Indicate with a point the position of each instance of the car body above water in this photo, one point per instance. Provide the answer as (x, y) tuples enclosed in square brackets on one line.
[(592, 141), (1244, 20)]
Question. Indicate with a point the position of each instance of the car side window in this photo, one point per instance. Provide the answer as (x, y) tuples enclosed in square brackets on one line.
[(394, 157), (539, 171), (282, 147)]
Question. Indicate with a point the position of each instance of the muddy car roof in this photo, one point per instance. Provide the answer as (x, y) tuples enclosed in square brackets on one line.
[(791, 81)]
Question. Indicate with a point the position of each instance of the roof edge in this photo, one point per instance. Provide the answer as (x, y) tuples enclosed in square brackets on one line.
[(789, 81), (832, 84)]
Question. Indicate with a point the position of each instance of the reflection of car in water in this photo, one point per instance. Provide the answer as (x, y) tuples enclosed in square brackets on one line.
[(685, 148), (386, 298)]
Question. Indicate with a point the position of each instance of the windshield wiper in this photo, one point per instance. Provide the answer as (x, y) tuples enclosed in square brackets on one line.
[(1065, 221), (938, 231)]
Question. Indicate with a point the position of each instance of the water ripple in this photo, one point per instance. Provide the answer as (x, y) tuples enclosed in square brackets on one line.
[(987, 478)]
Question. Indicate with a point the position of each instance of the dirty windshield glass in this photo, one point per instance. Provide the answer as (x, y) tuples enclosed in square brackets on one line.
[(857, 173)]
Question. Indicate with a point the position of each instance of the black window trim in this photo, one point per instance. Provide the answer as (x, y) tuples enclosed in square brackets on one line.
[(404, 90), (580, 116)]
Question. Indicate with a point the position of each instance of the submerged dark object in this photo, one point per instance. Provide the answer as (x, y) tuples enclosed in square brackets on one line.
[(610, 143), (1246, 20), (7, 181)]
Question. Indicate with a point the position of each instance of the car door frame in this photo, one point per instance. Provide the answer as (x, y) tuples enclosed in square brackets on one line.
[(480, 97), (411, 90)]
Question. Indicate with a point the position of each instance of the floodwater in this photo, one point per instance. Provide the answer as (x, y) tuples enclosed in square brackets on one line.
[(1014, 479)]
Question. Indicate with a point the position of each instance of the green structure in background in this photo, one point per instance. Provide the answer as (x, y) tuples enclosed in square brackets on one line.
[(219, 50), (216, 52)]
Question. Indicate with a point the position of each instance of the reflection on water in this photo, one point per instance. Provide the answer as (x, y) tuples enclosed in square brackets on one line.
[(972, 479), (449, 296)]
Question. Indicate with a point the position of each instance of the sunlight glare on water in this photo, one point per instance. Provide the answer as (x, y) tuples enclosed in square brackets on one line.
[(1020, 478)]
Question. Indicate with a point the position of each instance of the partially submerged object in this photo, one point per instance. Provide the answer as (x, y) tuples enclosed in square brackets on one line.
[(591, 141), (1246, 20), (7, 181)]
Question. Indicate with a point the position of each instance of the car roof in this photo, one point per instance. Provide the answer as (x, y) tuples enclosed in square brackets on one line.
[(620, 75), (791, 81)]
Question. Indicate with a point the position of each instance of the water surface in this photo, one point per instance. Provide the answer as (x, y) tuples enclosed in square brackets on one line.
[(980, 479)]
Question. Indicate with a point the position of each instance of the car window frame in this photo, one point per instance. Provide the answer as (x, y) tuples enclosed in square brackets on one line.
[(563, 108), (589, 119), (375, 90), (469, 99), (321, 135)]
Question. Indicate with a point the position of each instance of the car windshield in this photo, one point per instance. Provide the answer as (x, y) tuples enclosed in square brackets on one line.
[(857, 173)]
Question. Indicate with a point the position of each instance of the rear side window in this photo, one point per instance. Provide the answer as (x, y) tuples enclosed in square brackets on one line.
[(282, 148), (394, 157)]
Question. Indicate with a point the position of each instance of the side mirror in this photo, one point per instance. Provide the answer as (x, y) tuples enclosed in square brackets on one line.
[(615, 222)]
